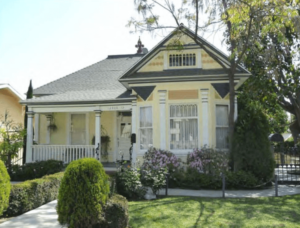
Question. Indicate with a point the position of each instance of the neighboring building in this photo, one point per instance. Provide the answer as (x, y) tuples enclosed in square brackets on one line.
[(173, 100), (9, 101)]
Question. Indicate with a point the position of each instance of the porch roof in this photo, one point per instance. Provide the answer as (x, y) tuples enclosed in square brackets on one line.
[(98, 82)]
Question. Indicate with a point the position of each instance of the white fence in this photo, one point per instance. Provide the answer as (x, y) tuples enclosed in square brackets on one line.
[(65, 153)]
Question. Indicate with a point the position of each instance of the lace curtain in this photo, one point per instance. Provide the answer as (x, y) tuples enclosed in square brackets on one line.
[(183, 126), (146, 130)]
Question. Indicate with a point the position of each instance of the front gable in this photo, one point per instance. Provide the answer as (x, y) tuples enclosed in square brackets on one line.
[(191, 63)]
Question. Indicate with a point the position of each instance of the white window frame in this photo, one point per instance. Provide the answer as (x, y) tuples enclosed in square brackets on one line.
[(220, 104), (139, 127), (182, 151), (86, 127)]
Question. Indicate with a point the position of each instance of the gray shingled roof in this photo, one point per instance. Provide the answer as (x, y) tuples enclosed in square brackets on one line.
[(94, 83)]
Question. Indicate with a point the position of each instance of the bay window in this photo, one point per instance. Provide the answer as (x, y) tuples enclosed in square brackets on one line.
[(183, 126), (146, 128)]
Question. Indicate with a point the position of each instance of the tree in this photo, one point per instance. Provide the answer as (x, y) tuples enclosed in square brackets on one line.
[(244, 21), (28, 96), (11, 140), (275, 65)]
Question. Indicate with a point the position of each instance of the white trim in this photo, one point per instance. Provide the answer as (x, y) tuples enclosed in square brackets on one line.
[(198, 126), (162, 114), (205, 116), (8, 86), (36, 127), (29, 137), (116, 122), (235, 108), (134, 129), (48, 130)]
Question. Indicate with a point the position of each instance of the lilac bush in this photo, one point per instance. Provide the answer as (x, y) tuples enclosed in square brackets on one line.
[(207, 160), (157, 158)]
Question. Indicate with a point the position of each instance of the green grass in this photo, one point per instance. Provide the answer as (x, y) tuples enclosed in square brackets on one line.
[(190, 212)]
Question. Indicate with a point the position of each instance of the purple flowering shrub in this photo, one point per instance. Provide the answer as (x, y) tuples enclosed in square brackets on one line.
[(207, 160), (157, 159)]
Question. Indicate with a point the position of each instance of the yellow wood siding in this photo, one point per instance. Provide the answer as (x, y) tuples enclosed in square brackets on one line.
[(183, 94)]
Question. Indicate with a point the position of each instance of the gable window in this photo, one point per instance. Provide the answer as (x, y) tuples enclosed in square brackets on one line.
[(146, 129), (222, 126), (183, 126), (188, 59)]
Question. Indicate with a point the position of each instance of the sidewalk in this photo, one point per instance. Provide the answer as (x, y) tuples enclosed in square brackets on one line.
[(45, 216)]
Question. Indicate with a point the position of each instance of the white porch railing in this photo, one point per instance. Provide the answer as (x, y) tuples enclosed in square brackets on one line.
[(65, 153)]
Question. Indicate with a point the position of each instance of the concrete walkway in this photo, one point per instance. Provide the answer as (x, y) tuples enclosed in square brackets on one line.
[(46, 216)]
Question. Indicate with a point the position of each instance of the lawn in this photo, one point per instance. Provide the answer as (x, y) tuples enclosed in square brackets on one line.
[(216, 212)]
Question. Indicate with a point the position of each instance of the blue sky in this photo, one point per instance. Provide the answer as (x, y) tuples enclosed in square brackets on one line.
[(44, 40)]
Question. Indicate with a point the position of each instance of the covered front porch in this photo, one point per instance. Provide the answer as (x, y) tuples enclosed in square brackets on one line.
[(73, 132)]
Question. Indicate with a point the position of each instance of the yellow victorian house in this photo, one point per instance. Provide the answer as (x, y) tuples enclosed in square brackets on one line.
[(174, 100)]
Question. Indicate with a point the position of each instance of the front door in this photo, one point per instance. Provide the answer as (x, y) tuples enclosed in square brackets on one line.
[(124, 135)]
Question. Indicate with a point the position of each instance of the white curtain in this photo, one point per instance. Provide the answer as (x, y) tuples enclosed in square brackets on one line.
[(222, 126), (78, 130), (146, 131), (183, 127)]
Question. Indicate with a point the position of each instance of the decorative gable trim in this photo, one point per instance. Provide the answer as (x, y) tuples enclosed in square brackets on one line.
[(222, 88), (144, 91)]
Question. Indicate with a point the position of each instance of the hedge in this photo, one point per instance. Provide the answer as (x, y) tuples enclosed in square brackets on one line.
[(114, 213), (32, 194), (4, 187)]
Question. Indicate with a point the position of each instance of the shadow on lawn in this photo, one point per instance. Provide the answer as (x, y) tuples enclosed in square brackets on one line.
[(237, 212)]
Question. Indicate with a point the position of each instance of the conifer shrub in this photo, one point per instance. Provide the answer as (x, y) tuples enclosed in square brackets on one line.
[(4, 187), (251, 146), (83, 193)]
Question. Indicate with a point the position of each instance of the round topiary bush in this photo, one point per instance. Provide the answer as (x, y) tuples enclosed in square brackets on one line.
[(4, 188), (82, 194)]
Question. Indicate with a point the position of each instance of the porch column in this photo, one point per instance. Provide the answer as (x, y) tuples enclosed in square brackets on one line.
[(162, 116), (36, 127), (49, 117), (29, 137), (98, 131), (134, 130), (235, 108), (205, 114)]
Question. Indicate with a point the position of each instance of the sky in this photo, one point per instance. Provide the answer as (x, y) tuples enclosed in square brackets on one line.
[(44, 40)]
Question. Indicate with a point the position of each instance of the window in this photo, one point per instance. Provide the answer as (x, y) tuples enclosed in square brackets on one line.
[(182, 60), (78, 129), (222, 126), (146, 139), (183, 126)]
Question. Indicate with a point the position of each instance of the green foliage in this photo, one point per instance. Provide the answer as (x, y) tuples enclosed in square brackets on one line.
[(4, 188), (251, 146), (83, 193), (154, 178), (129, 185), (11, 135), (32, 194), (34, 170), (241, 180), (115, 213)]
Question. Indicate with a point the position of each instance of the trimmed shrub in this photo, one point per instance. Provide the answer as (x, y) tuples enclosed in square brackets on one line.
[(115, 213), (4, 187), (32, 194), (241, 180), (34, 170), (251, 147), (129, 184), (83, 193)]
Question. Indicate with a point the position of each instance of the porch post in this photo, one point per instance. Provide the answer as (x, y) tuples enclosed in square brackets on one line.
[(98, 131), (162, 116), (49, 117), (36, 127), (29, 137), (134, 130), (205, 113), (235, 108)]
